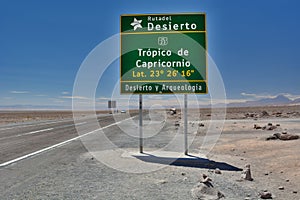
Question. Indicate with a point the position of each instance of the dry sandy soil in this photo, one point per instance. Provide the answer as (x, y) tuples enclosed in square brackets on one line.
[(274, 164)]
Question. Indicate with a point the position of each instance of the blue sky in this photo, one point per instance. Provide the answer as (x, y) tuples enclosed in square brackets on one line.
[(255, 45)]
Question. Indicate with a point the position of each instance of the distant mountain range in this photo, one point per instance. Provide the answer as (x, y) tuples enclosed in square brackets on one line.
[(276, 101), (296, 101)]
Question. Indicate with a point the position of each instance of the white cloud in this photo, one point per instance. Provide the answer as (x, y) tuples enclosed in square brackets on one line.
[(59, 101), (64, 93), (257, 96), (19, 92), (74, 97), (103, 99)]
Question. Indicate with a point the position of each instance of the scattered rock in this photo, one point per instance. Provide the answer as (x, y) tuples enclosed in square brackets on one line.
[(218, 171), (284, 132), (246, 173), (270, 128), (264, 114), (162, 181), (173, 111), (281, 188), (277, 124), (265, 195), (273, 137), (270, 124), (183, 173), (177, 123), (296, 114), (257, 126), (201, 125), (205, 179), (250, 115), (295, 192)]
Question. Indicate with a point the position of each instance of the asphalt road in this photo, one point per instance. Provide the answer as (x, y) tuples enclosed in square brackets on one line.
[(17, 141)]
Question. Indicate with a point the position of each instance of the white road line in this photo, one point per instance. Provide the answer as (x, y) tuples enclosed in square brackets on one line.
[(2, 129), (43, 130), (37, 124), (59, 144), (39, 131), (80, 123), (30, 133)]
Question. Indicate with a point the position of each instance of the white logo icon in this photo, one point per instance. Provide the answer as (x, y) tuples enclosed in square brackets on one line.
[(136, 24), (162, 41)]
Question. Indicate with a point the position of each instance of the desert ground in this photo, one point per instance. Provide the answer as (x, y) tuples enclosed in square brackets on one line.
[(247, 138)]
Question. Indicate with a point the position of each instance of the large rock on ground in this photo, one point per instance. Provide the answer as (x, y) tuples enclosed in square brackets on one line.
[(286, 136)]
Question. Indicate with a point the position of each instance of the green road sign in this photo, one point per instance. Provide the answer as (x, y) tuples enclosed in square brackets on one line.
[(163, 54)]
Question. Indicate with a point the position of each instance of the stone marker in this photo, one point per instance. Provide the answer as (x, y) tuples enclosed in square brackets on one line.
[(246, 173), (204, 190)]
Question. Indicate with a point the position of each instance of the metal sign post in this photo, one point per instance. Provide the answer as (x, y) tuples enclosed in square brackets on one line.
[(141, 122), (185, 125)]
